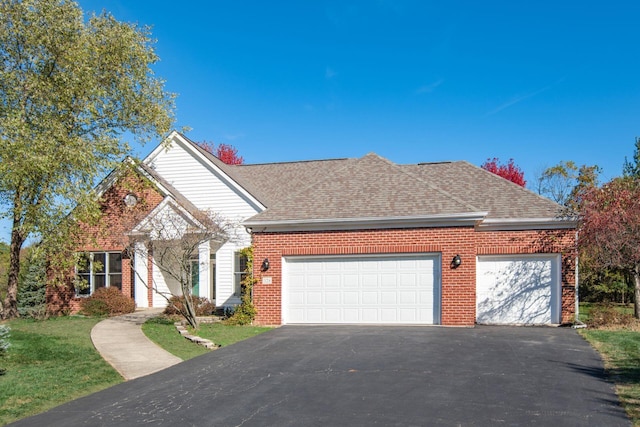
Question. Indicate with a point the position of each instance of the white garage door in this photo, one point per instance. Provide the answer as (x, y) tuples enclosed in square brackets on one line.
[(518, 289), (365, 289)]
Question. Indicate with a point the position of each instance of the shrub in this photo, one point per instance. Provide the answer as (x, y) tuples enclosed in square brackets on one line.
[(201, 305), (246, 311), (4, 343), (603, 315), (4, 339), (107, 302)]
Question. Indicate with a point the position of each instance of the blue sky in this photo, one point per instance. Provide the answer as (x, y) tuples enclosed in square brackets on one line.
[(414, 81)]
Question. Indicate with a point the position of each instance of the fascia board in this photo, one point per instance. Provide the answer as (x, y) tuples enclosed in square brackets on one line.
[(456, 220), (506, 224), (168, 201)]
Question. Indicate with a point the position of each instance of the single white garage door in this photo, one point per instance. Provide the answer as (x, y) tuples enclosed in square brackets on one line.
[(523, 289), (398, 289)]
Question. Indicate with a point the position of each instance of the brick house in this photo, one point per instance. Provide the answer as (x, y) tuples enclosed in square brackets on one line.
[(370, 241)]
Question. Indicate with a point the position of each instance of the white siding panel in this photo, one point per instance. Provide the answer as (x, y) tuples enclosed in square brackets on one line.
[(159, 288), (225, 274), (200, 183)]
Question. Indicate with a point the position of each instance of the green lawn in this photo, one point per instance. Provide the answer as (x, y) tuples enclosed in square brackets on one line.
[(50, 362), (620, 350), (163, 333)]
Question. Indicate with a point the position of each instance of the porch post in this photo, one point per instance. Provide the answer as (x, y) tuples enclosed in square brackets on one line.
[(204, 253)]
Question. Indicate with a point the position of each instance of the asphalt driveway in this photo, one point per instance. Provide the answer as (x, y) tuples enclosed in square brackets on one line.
[(363, 376)]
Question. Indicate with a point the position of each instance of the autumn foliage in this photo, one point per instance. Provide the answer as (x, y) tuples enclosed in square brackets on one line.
[(225, 152), (610, 228), (508, 171)]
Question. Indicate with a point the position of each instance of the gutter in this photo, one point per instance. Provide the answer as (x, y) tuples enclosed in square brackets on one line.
[(504, 224), (326, 224)]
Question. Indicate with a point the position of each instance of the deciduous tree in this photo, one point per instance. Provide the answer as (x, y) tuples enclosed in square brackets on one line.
[(225, 152), (609, 231), (69, 89), (508, 171), (564, 182)]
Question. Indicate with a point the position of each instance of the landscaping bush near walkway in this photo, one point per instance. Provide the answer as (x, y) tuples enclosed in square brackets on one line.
[(202, 306), (107, 302)]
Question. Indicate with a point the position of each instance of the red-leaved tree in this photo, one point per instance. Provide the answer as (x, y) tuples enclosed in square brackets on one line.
[(609, 233), (225, 152), (508, 171)]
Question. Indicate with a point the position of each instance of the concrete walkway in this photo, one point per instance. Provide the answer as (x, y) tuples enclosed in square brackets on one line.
[(122, 343)]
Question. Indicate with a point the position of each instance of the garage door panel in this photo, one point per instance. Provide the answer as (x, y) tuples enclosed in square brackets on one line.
[(518, 290), (388, 298), (369, 289)]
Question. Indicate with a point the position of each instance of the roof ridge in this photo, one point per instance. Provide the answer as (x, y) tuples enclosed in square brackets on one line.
[(315, 183), (292, 162), (444, 192)]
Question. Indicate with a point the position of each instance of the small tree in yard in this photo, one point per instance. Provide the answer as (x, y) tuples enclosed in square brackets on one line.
[(508, 171), (32, 289), (609, 232), (174, 238)]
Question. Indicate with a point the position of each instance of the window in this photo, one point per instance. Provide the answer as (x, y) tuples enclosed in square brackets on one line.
[(239, 272), (195, 278), (99, 270)]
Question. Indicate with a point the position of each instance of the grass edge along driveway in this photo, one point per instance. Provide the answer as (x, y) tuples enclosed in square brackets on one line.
[(620, 350)]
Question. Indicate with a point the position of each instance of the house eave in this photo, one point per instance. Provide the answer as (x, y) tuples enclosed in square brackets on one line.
[(468, 219), (516, 224)]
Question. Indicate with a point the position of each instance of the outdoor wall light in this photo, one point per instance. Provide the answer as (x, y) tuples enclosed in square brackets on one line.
[(456, 261), (265, 264)]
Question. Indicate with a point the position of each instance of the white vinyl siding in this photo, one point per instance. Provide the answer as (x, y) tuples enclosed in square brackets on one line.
[(388, 289), (201, 183), (518, 289), (207, 189)]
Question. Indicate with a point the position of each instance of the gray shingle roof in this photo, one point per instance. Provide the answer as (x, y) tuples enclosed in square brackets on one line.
[(374, 187), (492, 193), (370, 187)]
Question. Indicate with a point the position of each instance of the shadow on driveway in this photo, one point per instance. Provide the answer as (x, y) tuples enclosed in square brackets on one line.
[(368, 375)]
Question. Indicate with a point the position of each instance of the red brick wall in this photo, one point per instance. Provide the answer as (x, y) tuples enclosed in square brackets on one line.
[(109, 234), (458, 285)]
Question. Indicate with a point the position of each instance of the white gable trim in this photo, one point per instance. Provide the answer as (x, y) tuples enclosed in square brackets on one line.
[(188, 146), (168, 202), (115, 174), (455, 220)]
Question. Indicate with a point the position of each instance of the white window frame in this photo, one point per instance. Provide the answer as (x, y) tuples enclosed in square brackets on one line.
[(239, 272), (91, 272)]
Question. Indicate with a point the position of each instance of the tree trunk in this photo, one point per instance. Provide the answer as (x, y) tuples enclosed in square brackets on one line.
[(636, 292), (10, 304)]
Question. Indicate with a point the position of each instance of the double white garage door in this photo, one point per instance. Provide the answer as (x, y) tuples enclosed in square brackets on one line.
[(405, 289), (366, 289)]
